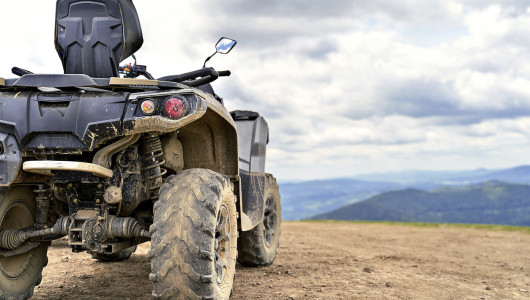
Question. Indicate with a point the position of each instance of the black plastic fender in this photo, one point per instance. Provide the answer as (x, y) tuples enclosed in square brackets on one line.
[(10, 159), (253, 136)]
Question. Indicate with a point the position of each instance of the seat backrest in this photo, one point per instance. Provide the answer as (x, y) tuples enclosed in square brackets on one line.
[(93, 36)]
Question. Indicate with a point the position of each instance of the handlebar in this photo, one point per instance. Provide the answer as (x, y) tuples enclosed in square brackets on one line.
[(20, 72), (204, 75), (224, 73)]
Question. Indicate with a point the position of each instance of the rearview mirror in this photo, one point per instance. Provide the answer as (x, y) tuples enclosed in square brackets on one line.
[(225, 45)]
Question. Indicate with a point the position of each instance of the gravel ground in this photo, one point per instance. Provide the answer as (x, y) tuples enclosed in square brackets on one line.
[(332, 261)]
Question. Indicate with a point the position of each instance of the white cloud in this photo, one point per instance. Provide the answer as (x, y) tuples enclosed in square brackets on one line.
[(347, 87)]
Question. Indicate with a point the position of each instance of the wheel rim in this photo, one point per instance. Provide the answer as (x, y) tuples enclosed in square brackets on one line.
[(17, 216), (222, 244), (269, 221)]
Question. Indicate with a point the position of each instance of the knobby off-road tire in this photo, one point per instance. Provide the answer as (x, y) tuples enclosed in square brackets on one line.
[(194, 237), (21, 273), (118, 256), (258, 246)]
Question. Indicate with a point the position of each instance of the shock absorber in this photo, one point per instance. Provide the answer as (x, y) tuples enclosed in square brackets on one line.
[(151, 150), (43, 195)]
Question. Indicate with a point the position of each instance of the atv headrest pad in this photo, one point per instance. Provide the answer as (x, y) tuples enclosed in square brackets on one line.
[(93, 36)]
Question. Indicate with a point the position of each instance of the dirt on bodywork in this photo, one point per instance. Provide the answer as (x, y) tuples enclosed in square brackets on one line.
[(332, 261)]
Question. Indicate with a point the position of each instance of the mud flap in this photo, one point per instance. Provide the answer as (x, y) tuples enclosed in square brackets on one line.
[(252, 189)]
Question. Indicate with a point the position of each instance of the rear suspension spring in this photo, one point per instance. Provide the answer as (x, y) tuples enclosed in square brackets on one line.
[(43, 199), (151, 150)]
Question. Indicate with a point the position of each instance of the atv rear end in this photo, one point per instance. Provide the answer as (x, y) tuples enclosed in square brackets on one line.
[(113, 162)]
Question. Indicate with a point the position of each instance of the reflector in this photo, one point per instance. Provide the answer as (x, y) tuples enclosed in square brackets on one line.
[(148, 107)]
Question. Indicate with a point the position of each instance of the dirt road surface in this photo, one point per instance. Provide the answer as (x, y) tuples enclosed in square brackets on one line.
[(332, 261)]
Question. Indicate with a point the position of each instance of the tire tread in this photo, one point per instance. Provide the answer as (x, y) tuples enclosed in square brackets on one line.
[(185, 212)]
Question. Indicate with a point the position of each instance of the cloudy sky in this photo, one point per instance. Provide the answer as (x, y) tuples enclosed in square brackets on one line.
[(347, 86)]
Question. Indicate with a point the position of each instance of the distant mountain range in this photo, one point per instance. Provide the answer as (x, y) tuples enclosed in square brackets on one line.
[(486, 203), (425, 179), (305, 199), (302, 200)]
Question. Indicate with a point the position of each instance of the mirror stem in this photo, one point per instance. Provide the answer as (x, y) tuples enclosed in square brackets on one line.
[(208, 59)]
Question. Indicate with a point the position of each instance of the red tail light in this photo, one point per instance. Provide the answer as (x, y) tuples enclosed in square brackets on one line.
[(175, 108)]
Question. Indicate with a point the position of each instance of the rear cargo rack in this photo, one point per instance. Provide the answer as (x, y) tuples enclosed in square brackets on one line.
[(80, 81)]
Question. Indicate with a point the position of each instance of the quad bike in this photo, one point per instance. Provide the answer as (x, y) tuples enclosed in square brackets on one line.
[(111, 162)]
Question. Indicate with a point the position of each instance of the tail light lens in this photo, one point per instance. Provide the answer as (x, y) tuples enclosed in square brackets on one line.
[(175, 108), (148, 107)]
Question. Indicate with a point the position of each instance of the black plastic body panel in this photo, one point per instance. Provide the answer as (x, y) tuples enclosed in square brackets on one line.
[(93, 36), (241, 115), (59, 122), (84, 82), (54, 81), (10, 159)]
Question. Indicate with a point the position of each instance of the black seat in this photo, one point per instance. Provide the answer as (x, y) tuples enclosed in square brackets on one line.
[(93, 36)]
